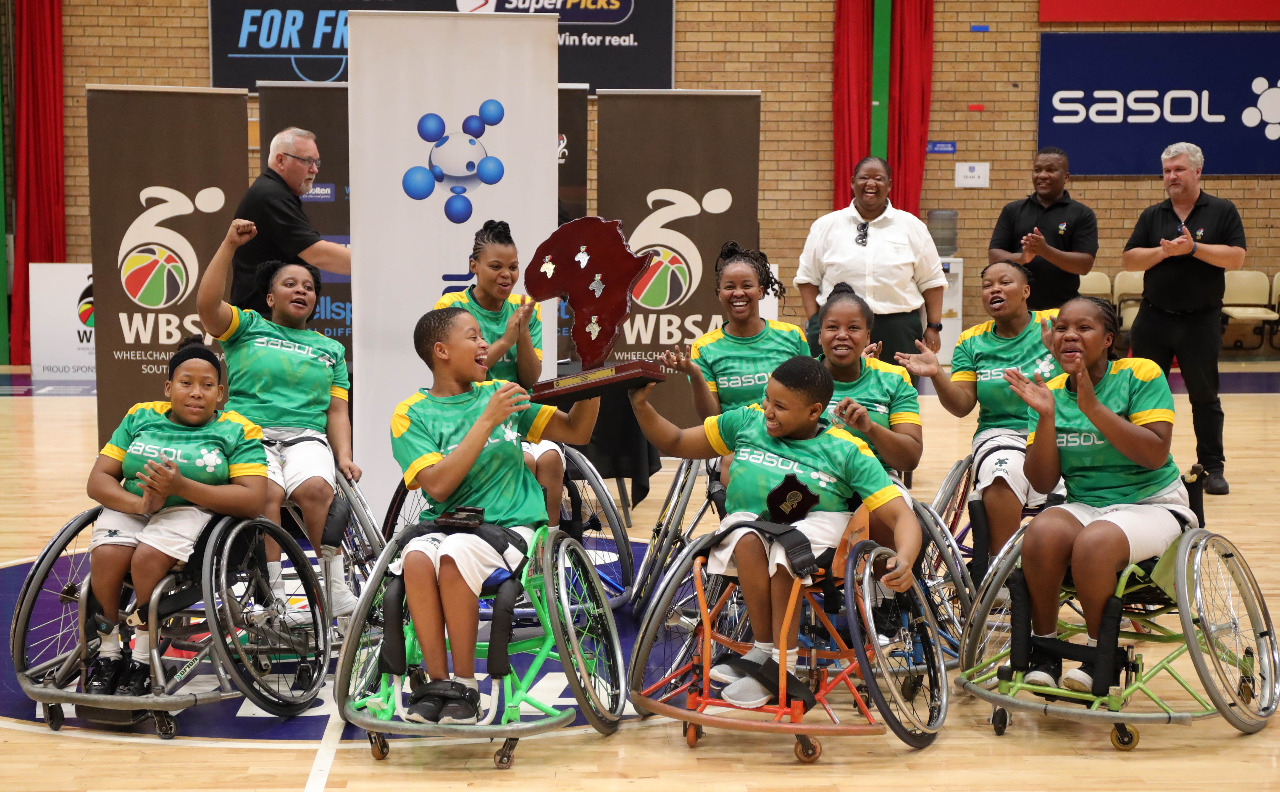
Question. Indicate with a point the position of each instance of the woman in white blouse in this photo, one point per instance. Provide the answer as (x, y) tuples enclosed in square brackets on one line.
[(886, 255)]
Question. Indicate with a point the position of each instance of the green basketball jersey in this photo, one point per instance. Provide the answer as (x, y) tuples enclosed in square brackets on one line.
[(494, 323), (835, 465), (887, 393), (227, 447), (424, 428), (282, 377), (1094, 471), (737, 369), (981, 356)]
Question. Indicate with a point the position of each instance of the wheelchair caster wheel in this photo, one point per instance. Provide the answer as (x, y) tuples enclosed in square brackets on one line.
[(53, 716), (166, 726), (304, 676), (910, 687), (1245, 691), (1124, 738), (505, 756), (999, 721), (378, 745), (692, 733), (808, 749)]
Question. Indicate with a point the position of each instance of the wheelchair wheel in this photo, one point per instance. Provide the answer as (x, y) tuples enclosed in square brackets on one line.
[(1229, 633), (668, 536), (45, 635), (906, 677), (663, 663), (950, 500), (587, 640), (359, 674), (362, 541), (251, 640), (944, 580), (404, 510), (604, 536)]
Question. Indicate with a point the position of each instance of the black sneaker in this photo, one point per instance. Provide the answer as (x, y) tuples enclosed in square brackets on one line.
[(1045, 670), (461, 705), (135, 680), (426, 701), (104, 676), (1216, 484)]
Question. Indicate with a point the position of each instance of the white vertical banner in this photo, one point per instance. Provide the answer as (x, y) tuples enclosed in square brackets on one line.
[(453, 122), (62, 321)]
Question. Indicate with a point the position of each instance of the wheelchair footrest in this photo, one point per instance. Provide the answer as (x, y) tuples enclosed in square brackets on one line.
[(766, 673)]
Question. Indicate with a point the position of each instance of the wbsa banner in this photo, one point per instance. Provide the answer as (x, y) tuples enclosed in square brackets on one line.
[(1113, 101), (166, 170), (436, 150), (62, 320), (322, 109), (681, 170)]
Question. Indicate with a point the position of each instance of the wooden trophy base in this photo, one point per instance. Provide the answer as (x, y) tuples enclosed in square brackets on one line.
[(562, 392)]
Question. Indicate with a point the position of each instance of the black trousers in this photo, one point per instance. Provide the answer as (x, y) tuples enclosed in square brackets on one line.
[(1195, 339)]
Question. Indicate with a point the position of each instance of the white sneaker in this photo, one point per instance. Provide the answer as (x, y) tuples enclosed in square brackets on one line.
[(1079, 679), (727, 674), (344, 601), (334, 576), (747, 693)]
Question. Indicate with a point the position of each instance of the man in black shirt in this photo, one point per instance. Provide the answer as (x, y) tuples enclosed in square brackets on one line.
[(1184, 245), (284, 232), (1055, 237)]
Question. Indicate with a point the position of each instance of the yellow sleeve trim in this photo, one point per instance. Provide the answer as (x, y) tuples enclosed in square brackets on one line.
[(449, 299), (878, 499), (712, 427), (234, 326), (160, 407), (976, 330), (251, 430), (400, 418), (713, 386), (785, 327), (247, 469), (904, 417), (115, 452), (1151, 416), (1058, 383), (706, 339), (1031, 438), (845, 434), (545, 411), (964, 376), (1141, 368), (889, 368), (340, 393), (537, 351), (420, 464)]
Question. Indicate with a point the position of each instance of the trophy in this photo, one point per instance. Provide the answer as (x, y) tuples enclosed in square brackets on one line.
[(789, 502), (587, 263)]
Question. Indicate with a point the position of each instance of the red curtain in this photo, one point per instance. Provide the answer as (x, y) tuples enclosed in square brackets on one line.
[(851, 91), (40, 230), (910, 87)]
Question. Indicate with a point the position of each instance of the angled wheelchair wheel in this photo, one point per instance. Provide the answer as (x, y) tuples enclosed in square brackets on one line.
[(944, 580), (404, 510), (1229, 633), (668, 535), (665, 662), (588, 502), (45, 636), (949, 503), (585, 633), (905, 673), (278, 666), (987, 631), (359, 675), (362, 540)]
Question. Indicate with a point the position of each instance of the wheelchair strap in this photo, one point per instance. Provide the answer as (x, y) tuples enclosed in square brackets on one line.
[(794, 543), (391, 655), (293, 441), (504, 607), (496, 536)]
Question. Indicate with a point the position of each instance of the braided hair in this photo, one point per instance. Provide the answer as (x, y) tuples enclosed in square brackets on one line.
[(843, 292), (1110, 320), (732, 252), (493, 232), (432, 327)]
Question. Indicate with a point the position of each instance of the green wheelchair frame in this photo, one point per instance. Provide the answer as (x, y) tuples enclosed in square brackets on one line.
[(575, 627)]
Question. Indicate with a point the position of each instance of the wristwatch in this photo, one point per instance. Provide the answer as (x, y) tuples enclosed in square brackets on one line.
[(934, 326)]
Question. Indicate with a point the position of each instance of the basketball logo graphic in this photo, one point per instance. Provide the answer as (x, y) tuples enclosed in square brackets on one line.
[(84, 307), (666, 282), (153, 276)]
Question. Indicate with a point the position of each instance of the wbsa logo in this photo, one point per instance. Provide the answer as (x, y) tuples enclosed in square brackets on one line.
[(158, 266)]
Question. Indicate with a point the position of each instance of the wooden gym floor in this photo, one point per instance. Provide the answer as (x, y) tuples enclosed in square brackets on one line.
[(47, 447)]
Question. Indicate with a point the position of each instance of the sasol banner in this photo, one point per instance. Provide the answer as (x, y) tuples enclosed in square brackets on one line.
[(321, 108), (607, 43), (62, 320), (1113, 101), (680, 169), (166, 170), (437, 150)]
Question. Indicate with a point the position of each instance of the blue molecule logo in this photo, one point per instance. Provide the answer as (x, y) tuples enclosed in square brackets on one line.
[(458, 162)]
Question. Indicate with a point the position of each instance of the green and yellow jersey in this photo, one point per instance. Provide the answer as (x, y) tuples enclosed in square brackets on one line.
[(229, 446), (425, 428), (887, 393), (981, 356), (1094, 471), (493, 324), (737, 369), (282, 377), (838, 467)]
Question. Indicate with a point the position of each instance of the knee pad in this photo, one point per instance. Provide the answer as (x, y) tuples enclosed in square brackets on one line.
[(335, 525)]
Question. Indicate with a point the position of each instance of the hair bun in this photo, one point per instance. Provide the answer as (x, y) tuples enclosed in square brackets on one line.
[(499, 226), (842, 288), (730, 249), (196, 340)]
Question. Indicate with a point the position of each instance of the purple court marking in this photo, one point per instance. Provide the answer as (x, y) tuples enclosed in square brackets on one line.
[(22, 385)]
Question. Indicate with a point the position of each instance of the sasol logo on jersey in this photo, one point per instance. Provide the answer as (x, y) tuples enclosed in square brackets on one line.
[(140, 448), (767, 459), (742, 382), (1080, 439), (1143, 106), (292, 346)]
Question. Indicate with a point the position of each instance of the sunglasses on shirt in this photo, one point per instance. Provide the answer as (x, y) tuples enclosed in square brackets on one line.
[(861, 239)]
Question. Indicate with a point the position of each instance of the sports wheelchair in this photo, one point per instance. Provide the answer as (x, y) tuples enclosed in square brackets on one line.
[(1199, 597), (587, 513), (217, 608), (571, 623), (882, 646)]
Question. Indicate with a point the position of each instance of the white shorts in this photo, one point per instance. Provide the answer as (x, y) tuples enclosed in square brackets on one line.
[(1150, 525), (475, 558), (823, 530), (172, 531), (536, 450), (1002, 453), (289, 466)]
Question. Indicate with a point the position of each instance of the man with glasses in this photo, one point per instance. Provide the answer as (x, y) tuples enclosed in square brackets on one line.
[(284, 231)]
